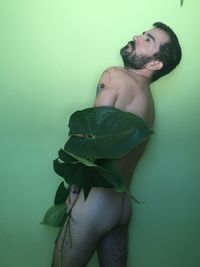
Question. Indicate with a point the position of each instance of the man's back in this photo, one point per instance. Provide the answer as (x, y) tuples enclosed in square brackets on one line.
[(131, 93), (124, 90)]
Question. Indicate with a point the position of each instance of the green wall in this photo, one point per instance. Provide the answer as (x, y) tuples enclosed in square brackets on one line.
[(51, 56)]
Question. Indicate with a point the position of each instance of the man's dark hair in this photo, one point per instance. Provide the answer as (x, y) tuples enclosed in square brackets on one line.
[(169, 53)]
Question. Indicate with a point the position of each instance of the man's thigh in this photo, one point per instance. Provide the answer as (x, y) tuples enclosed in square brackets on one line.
[(112, 248), (75, 244)]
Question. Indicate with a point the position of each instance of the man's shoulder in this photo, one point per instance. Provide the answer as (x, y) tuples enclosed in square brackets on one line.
[(114, 69), (109, 77)]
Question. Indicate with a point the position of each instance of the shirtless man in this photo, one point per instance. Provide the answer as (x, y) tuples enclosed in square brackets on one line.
[(101, 222)]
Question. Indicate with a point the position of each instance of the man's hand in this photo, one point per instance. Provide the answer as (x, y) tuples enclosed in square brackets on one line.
[(72, 198)]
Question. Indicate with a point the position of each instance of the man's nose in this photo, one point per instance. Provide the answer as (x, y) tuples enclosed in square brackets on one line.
[(138, 39)]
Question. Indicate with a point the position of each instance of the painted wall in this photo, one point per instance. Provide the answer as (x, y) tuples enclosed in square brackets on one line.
[(51, 56)]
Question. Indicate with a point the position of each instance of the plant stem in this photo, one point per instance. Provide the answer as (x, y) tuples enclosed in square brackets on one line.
[(63, 242)]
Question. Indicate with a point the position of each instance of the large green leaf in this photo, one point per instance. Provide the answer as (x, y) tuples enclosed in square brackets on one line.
[(86, 191), (61, 194), (86, 174), (104, 132), (83, 172), (55, 216)]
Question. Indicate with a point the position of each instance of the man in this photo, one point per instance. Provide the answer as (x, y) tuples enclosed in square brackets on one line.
[(101, 222)]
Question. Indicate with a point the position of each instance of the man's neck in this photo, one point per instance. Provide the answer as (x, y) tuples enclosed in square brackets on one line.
[(142, 76)]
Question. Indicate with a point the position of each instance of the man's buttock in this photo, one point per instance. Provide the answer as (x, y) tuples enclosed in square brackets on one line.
[(103, 209)]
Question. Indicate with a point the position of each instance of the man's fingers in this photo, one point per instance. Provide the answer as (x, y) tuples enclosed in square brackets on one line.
[(68, 201), (71, 200)]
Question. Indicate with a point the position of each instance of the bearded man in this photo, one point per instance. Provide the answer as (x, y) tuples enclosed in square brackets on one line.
[(101, 222)]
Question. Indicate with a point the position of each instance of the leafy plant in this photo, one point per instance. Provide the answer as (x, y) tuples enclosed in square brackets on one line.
[(97, 138)]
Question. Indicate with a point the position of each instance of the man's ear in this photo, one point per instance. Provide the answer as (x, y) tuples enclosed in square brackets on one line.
[(154, 65)]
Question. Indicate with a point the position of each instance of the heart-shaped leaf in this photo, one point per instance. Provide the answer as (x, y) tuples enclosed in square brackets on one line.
[(55, 216), (61, 194), (102, 173), (105, 132), (84, 173)]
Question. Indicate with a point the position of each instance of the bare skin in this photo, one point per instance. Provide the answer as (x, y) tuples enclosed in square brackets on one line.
[(101, 222)]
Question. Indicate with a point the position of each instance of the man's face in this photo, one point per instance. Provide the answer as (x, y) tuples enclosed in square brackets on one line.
[(141, 50)]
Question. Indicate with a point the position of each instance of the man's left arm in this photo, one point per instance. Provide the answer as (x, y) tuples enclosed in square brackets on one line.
[(106, 95)]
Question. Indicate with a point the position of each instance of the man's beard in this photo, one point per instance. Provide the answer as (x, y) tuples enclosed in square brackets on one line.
[(131, 60)]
